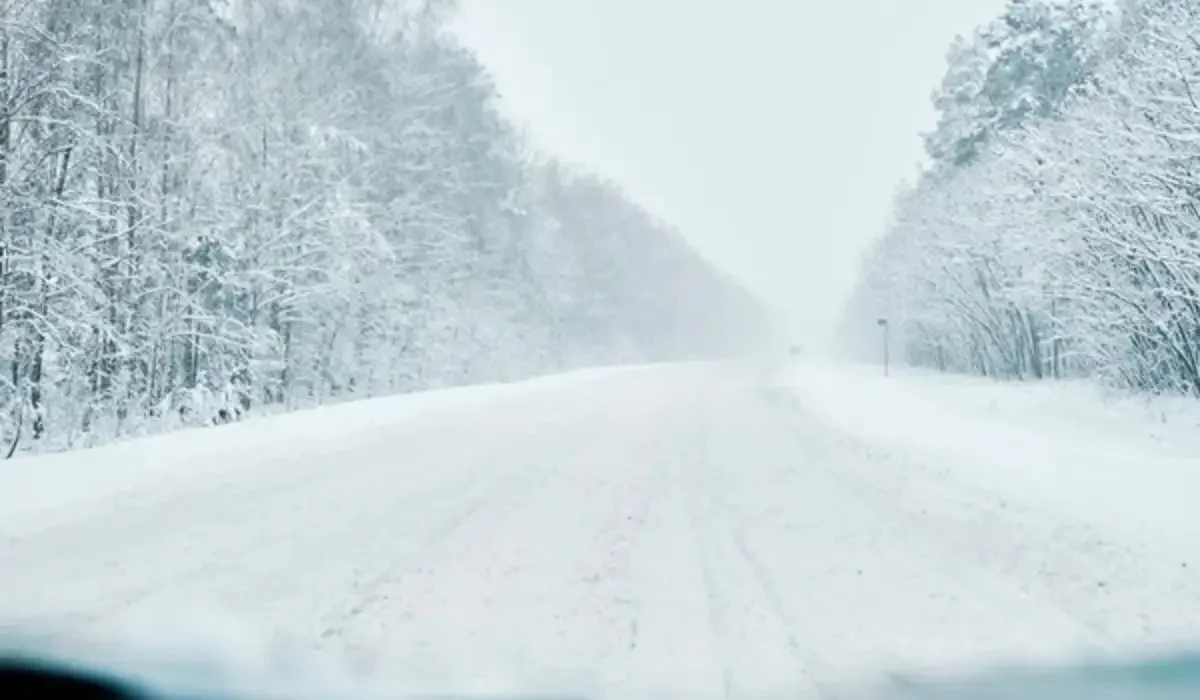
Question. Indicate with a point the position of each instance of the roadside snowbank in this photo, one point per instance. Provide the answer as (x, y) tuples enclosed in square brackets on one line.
[(39, 491), (1125, 466)]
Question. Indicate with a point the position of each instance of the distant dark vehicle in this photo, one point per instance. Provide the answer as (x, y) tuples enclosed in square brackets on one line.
[(796, 350)]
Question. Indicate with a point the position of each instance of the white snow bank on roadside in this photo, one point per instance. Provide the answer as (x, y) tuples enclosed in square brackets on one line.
[(35, 489), (1121, 465)]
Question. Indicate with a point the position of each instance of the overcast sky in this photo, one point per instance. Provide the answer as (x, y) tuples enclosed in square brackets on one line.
[(771, 132)]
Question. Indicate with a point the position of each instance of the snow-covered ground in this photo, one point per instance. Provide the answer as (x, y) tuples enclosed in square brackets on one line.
[(1127, 468), (689, 531)]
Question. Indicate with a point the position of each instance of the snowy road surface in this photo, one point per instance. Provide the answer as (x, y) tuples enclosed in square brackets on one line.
[(685, 530)]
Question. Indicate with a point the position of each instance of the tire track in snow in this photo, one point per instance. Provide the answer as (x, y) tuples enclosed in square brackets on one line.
[(534, 535), (717, 608), (760, 649), (255, 537), (374, 589)]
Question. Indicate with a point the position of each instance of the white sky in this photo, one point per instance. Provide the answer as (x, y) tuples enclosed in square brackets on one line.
[(772, 132)]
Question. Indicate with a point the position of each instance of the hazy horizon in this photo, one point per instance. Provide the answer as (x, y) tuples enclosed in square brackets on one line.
[(776, 152)]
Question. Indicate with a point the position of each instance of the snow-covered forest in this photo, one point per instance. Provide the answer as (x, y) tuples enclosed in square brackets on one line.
[(1055, 232), (209, 206)]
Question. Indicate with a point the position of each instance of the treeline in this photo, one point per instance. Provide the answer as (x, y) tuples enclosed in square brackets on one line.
[(208, 207), (1057, 231)]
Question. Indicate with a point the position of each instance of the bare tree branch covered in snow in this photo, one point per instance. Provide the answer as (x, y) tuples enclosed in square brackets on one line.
[(211, 206), (1057, 231)]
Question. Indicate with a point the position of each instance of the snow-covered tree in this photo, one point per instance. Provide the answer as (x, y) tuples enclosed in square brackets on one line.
[(1021, 66), (1069, 244), (208, 207)]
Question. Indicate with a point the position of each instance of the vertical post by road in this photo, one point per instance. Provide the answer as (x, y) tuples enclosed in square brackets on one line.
[(883, 323)]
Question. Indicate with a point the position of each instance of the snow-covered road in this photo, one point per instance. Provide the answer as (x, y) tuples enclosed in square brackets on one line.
[(688, 530)]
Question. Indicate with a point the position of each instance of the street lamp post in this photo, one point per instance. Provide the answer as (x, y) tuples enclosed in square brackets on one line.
[(883, 323)]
